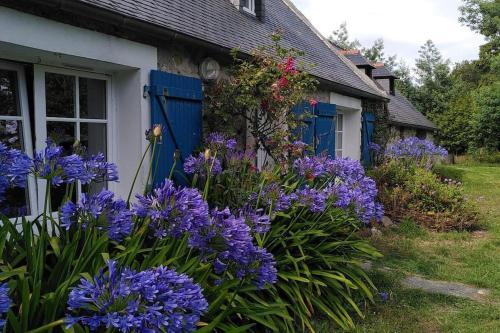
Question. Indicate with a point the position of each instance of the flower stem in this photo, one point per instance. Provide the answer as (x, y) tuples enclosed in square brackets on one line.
[(151, 166), (137, 172), (48, 326)]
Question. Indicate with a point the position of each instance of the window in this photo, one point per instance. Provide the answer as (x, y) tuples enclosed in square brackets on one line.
[(71, 107), (339, 144), (248, 6), (15, 133), (421, 134)]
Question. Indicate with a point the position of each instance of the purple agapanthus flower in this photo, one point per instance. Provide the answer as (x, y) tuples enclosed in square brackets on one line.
[(5, 303), (51, 164), (154, 300), (375, 147), (273, 196), (419, 151), (174, 211), (218, 141), (311, 198), (237, 253), (98, 170), (15, 167), (258, 221), (89, 209), (310, 167), (352, 188), (201, 166)]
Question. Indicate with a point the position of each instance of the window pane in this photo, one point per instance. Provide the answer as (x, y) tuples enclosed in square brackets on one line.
[(340, 122), (8, 94), (11, 133), (339, 140), (93, 137), (245, 3), (60, 95), (92, 98), (16, 202), (62, 134)]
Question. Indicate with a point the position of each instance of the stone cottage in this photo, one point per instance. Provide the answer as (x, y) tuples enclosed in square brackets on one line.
[(103, 71)]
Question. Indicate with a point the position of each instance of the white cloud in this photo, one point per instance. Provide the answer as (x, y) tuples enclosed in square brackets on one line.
[(403, 24)]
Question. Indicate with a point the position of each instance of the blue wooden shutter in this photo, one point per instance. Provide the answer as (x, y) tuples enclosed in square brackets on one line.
[(368, 127), (176, 104), (319, 129), (325, 127), (305, 132)]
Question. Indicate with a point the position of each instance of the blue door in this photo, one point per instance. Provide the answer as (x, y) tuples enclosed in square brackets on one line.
[(318, 130), (368, 127), (176, 104)]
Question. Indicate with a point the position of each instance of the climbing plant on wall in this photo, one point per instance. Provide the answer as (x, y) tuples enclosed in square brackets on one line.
[(259, 94)]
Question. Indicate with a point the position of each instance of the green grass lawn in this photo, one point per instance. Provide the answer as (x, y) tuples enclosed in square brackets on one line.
[(472, 258)]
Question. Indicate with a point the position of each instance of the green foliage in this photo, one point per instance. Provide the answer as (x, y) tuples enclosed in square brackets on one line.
[(319, 260), (375, 53), (318, 255), (420, 194), (341, 38), (447, 171), (433, 82), (260, 93), (428, 193), (482, 156), (41, 267), (487, 122)]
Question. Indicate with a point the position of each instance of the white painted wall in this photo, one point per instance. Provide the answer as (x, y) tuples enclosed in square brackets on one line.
[(37, 40), (351, 108)]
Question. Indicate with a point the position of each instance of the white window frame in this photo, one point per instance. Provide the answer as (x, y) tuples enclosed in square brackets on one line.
[(25, 119), (339, 148), (41, 114), (250, 8)]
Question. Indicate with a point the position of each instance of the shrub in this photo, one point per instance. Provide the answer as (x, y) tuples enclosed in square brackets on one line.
[(408, 191), (484, 156), (311, 209), (448, 173)]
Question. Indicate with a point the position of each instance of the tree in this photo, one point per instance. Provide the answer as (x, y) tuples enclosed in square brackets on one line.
[(405, 83), (433, 81), (455, 123), (482, 16), (341, 38), (483, 75), (487, 121)]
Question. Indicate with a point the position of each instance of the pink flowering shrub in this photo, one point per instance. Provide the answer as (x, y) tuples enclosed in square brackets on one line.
[(260, 93)]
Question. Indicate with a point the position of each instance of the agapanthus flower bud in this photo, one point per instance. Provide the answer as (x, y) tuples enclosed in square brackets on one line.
[(207, 154), (157, 131)]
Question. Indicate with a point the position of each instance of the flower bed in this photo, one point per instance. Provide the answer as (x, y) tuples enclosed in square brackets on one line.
[(409, 188), (240, 248)]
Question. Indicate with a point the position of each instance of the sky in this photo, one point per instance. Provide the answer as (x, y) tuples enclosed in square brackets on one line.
[(404, 25)]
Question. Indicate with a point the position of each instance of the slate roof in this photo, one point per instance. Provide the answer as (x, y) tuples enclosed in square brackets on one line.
[(356, 57), (402, 112), (219, 22), (381, 71)]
